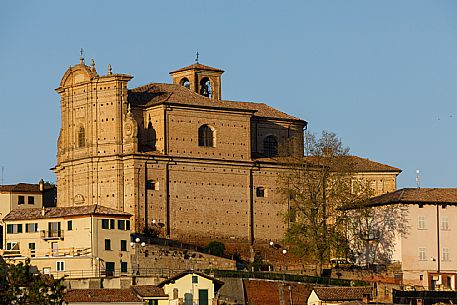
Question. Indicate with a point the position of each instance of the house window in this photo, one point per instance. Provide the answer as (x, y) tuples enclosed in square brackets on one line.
[(123, 267), (108, 224), (32, 249), (14, 228), (31, 227), (444, 223), (81, 137), (123, 245), (60, 266), (205, 136), (12, 246), (70, 225), (107, 244), (194, 279), (422, 256), (421, 222), (153, 302), (270, 146), (54, 229), (123, 224), (31, 200), (445, 255), (109, 267), (260, 191), (20, 199)]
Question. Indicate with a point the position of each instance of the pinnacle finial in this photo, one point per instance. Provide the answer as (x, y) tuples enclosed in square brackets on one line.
[(196, 57), (110, 70), (92, 63), (128, 108), (81, 57)]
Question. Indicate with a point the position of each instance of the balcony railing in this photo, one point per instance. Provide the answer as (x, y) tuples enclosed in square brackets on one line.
[(53, 234)]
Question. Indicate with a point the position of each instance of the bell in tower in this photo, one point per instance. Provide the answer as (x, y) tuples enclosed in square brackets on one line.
[(201, 79)]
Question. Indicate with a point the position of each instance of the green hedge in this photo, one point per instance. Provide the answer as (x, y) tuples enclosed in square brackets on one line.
[(281, 276)]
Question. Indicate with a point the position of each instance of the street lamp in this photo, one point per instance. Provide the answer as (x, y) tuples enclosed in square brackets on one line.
[(135, 245)]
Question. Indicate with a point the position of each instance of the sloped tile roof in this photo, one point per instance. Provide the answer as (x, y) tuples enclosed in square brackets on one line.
[(359, 164), (37, 213), (267, 292), (20, 188), (342, 293), (156, 93), (197, 66), (217, 283), (149, 291), (101, 296), (416, 196)]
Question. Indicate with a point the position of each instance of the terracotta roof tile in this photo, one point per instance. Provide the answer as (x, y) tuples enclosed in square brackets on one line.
[(359, 164), (217, 283), (101, 295), (21, 187), (418, 196), (268, 292), (149, 291), (197, 66), (37, 213), (342, 293), (155, 94)]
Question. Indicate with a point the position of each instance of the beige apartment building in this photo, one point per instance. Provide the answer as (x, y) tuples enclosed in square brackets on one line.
[(179, 155), (428, 252), (85, 241)]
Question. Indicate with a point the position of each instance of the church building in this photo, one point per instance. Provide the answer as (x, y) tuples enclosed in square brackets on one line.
[(178, 155)]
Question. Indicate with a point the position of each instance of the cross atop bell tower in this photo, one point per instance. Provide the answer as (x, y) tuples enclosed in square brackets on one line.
[(201, 79)]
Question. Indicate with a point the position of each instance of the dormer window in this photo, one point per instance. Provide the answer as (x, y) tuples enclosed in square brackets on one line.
[(270, 146), (205, 136)]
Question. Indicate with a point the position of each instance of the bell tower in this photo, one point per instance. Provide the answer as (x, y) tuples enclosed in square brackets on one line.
[(201, 79)]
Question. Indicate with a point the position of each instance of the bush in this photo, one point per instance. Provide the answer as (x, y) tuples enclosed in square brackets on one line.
[(215, 248)]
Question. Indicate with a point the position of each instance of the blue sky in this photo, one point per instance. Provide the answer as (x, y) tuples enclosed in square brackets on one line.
[(382, 75)]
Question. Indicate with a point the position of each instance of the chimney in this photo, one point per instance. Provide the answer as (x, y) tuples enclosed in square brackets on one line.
[(41, 183)]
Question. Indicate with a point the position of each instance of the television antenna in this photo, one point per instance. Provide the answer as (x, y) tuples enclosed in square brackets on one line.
[(3, 169), (418, 179)]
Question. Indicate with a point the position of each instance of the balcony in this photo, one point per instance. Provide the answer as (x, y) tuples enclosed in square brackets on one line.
[(52, 235)]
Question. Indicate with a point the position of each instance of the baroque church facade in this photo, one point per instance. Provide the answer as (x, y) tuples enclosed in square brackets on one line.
[(180, 156)]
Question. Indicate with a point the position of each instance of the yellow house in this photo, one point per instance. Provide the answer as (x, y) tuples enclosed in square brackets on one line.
[(85, 241), (191, 287)]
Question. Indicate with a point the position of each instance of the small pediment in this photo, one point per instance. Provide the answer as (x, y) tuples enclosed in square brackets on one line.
[(78, 74)]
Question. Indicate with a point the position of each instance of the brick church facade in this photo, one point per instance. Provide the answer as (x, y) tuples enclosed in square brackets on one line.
[(179, 155)]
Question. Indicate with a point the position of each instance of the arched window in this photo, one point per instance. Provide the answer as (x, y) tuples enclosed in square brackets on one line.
[(270, 146), (205, 136), (205, 87), (81, 137), (185, 82)]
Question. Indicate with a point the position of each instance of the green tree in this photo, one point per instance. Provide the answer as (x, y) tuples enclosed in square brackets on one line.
[(215, 247), (19, 285), (315, 186)]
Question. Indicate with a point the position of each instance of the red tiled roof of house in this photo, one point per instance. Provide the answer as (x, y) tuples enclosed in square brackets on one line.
[(149, 291), (416, 196), (197, 66), (268, 292), (359, 164), (20, 188), (342, 293), (155, 94), (102, 295), (217, 283), (37, 213)]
